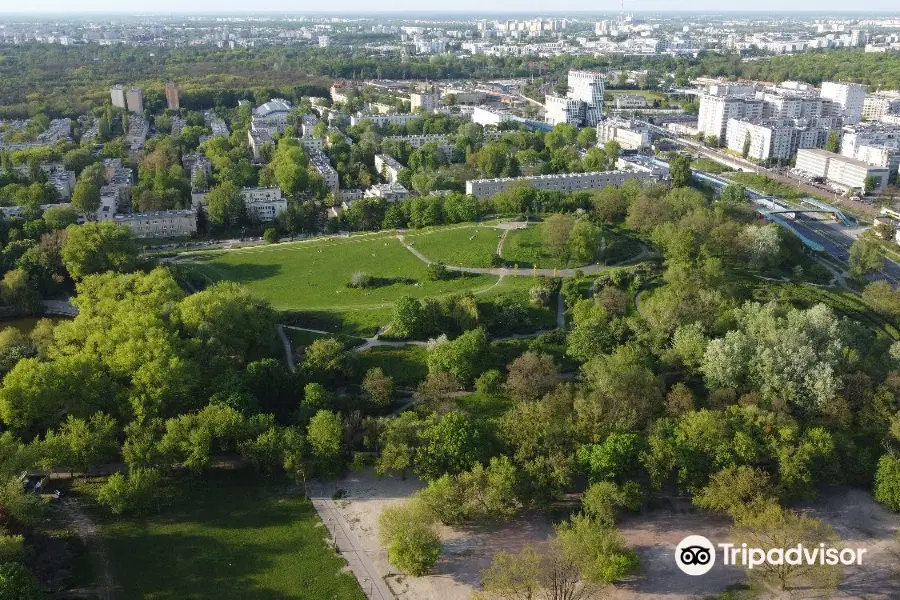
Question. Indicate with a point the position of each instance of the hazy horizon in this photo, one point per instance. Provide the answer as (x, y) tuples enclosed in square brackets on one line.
[(473, 7)]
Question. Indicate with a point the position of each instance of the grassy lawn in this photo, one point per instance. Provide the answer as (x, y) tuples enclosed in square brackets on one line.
[(406, 365), (525, 247), (313, 276), (305, 338), (466, 246), (228, 536), (766, 185), (710, 166)]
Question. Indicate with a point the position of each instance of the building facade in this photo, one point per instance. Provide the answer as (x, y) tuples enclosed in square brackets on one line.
[(163, 224), (388, 166), (264, 203), (172, 100), (134, 99), (568, 182), (628, 134), (117, 96), (848, 173), (851, 97)]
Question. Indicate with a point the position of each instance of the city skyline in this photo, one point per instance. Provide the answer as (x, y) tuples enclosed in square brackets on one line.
[(502, 6)]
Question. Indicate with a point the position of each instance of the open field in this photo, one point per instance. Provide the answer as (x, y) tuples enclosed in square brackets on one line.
[(525, 247), (710, 166), (314, 275), (229, 535), (464, 246), (406, 365)]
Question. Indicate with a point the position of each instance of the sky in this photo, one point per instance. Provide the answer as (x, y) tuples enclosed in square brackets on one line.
[(49, 7)]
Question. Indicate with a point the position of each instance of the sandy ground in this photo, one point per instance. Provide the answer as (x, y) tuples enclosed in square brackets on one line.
[(858, 519)]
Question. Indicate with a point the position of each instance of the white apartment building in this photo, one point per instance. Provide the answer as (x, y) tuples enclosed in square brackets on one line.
[(258, 139), (321, 164), (582, 104), (716, 111), (391, 192), (628, 101), (445, 143), (427, 102), (776, 139), (850, 96), (117, 96), (879, 104), (311, 144), (134, 100), (382, 120), (388, 166), (271, 117), (843, 171), (562, 109), (628, 134), (487, 116), (588, 87), (163, 224), (567, 182), (264, 203)]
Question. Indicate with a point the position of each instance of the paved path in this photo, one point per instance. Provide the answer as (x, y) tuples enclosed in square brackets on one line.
[(504, 271), (346, 542), (288, 354), (87, 531)]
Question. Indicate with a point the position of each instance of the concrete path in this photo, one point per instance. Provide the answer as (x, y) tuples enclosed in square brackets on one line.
[(288, 353), (504, 271), (346, 542), (87, 531)]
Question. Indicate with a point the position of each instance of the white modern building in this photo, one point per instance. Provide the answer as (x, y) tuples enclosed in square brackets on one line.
[(775, 139), (716, 111), (848, 173), (850, 96), (163, 224), (271, 116), (879, 104), (264, 203), (630, 101), (567, 182), (582, 104), (382, 120)]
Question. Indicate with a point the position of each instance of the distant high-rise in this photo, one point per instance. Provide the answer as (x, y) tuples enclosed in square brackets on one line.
[(172, 96), (117, 95), (587, 86), (850, 96), (134, 98)]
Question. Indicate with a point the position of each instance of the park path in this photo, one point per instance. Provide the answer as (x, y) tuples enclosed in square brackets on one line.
[(504, 271), (87, 531), (349, 546)]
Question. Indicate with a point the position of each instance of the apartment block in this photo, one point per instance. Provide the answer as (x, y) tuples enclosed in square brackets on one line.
[(264, 203), (163, 224), (849, 96), (427, 101), (628, 134), (843, 171), (390, 192), (134, 99), (117, 96), (568, 182), (172, 100), (321, 164), (382, 120), (582, 104), (388, 166)]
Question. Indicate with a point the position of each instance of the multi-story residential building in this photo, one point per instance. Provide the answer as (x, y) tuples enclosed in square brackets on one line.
[(428, 101), (216, 124), (388, 166), (587, 86), (117, 96), (134, 99), (311, 144), (850, 96), (879, 104), (271, 116), (489, 116), (341, 91), (566, 182), (391, 192), (172, 100), (582, 104), (163, 224), (264, 203), (320, 163), (382, 120), (258, 139), (843, 171), (716, 111), (629, 135), (562, 109), (776, 139), (629, 101)]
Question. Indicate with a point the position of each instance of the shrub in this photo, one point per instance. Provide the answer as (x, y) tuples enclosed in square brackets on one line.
[(409, 535), (360, 280), (437, 272), (887, 482), (134, 492), (490, 383), (271, 235)]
